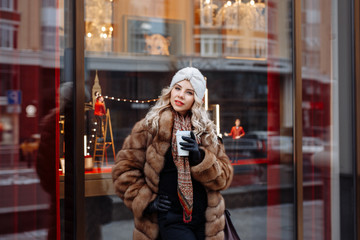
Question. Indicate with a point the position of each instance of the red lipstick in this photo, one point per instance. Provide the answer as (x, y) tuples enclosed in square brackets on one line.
[(179, 103)]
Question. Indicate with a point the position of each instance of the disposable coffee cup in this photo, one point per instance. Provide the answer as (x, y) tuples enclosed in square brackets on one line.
[(179, 135)]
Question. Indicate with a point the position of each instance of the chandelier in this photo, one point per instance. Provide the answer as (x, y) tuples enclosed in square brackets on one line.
[(98, 25), (238, 14)]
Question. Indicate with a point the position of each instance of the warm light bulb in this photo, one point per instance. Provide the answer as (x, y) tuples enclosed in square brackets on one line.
[(207, 1), (103, 29), (252, 2), (111, 29), (89, 35), (105, 35), (228, 3)]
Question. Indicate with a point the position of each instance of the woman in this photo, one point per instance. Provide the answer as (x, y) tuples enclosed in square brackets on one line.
[(175, 197), (237, 131), (99, 113)]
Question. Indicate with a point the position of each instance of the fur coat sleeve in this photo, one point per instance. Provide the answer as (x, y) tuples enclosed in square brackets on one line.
[(128, 171), (215, 172)]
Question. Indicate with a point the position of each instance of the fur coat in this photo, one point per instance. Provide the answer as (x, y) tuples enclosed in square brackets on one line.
[(137, 169)]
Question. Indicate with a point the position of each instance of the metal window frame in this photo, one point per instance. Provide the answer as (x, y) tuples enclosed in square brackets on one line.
[(74, 200), (356, 73), (297, 116)]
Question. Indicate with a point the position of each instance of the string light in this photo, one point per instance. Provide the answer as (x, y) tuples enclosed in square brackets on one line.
[(131, 100), (92, 141)]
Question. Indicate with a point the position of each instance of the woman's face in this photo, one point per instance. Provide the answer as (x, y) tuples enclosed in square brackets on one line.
[(182, 97)]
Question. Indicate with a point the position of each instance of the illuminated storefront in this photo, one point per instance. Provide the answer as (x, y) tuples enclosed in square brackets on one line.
[(285, 68)]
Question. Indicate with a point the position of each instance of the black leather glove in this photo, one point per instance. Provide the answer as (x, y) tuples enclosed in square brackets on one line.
[(160, 204), (196, 155)]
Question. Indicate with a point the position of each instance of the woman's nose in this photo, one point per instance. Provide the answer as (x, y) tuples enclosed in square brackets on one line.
[(182, 94)]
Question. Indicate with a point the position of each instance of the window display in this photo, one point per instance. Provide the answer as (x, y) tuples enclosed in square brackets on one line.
[(235, 44)]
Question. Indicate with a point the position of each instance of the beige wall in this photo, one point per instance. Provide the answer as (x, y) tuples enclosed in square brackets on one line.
[(29, 36)]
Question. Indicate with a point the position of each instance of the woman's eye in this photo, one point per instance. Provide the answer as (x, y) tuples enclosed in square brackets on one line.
[(177, 88), (190, 93)]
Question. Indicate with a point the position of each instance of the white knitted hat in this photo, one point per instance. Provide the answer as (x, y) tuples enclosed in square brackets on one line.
[(195, 77)]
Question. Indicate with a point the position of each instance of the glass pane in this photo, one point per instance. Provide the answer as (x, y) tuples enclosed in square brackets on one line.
[(29, 77), (244, 49), (329, 206)]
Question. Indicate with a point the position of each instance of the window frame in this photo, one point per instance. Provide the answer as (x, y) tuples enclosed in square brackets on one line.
[(9, 3), (10, 29), (356, 99)]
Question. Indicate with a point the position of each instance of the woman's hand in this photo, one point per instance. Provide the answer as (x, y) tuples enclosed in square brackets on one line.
[(196, 155), (160, 204)]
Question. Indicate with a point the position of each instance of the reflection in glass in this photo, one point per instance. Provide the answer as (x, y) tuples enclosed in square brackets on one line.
[(29, 73), (327, 121)]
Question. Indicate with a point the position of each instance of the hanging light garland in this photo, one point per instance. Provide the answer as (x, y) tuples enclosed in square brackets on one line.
[(131, 100), (91, 140)]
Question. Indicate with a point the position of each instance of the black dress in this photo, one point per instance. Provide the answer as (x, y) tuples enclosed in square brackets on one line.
[(171, 223)]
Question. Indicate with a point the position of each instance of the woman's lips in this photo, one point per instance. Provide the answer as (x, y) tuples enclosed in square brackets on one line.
[(179, 103)]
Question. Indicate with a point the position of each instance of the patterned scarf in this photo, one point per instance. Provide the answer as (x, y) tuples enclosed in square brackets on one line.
[(185, 188)]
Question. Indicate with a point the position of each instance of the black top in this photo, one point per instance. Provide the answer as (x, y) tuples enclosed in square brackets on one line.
[(168, 186)]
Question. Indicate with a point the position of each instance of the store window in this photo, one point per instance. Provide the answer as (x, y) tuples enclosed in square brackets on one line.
[(29, 205), (244, 49), (328, 155)]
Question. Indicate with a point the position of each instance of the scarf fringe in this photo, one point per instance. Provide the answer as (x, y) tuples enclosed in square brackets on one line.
[(186, 218)]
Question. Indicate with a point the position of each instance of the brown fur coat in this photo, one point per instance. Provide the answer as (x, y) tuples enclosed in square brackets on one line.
[(137, 170)]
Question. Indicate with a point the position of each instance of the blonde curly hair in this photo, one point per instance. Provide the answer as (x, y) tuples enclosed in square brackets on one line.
[(199, 118)]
